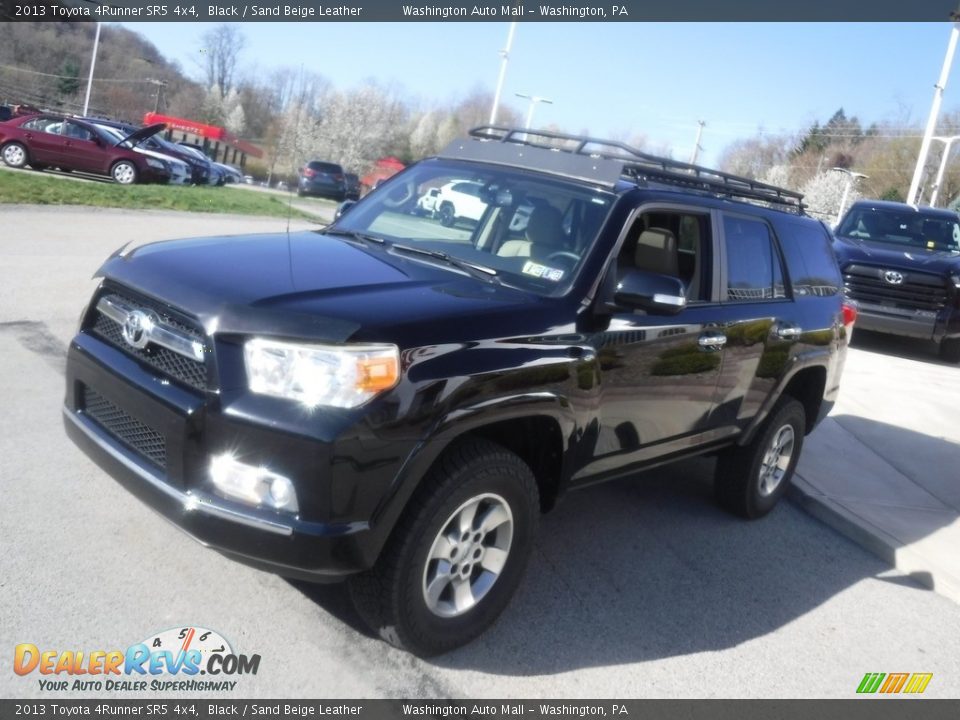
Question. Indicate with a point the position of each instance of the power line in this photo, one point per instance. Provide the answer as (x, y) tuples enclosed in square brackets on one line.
[(72, 77)]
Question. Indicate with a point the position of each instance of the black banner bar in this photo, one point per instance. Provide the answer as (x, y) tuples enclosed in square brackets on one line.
[(185, 709), (482, 11)]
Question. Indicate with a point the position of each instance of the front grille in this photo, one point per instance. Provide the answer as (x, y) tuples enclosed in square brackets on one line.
[(171, 364), (131, 432), (918, 291)]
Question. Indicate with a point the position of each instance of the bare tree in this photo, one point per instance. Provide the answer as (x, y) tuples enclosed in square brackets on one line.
[(221, 54)]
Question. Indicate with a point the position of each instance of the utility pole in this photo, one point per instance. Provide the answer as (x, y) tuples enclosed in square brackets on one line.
[(504, 59), (947, 142), (93, 62), (934, 114), (852, 177), (534, 99), (696, 145), (160, 86)]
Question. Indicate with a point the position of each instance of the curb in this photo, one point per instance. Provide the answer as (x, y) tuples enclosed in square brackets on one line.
[(875, 540)]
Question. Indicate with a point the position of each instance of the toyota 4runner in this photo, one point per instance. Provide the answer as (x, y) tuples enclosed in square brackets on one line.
[(394, 401)]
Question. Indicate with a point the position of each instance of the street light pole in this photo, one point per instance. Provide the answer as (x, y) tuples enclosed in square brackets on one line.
[(947, 142), (504, 59), (851, 178), (534, 99), (93, 62), (934, 114), (696, 145)]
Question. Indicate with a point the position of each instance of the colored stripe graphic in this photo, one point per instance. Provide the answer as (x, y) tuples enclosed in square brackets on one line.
[(870, 682), (918, 682), (894, 683)]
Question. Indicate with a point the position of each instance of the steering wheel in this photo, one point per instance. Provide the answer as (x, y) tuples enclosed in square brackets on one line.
[(564, 255), (400, 195)]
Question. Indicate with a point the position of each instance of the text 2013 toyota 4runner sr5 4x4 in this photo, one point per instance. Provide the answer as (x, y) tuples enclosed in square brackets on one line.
[(394, 401), (901, 264)]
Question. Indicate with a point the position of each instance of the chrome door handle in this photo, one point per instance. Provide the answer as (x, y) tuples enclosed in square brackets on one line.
[(712, 342), (788, 332)]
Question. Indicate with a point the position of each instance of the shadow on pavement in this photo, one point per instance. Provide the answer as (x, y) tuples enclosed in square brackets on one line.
[(897, 346), (650, 568)]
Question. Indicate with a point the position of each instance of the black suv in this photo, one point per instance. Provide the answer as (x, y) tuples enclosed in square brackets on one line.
[(324, 179), (394, 401), (901, 263)]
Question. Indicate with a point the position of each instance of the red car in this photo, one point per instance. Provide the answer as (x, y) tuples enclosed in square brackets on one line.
[(43, 141)]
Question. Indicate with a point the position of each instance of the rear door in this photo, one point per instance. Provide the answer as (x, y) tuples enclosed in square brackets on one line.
[(761, 324), (42, 135)]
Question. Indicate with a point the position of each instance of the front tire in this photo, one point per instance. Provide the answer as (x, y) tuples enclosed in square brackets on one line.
[(447, 215), (950, 350), (457, 554), (124, 172), (15, 155), (750, 479)]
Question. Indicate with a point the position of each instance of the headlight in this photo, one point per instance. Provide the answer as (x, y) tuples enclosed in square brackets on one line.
[(956, 281), (156, 164), (333, 375)]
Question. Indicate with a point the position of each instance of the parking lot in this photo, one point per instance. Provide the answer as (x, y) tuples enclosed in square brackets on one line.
[(639, 588)]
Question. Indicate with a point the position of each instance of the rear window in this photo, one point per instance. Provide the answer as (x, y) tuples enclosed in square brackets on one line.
[(324, 167), (810, 260)]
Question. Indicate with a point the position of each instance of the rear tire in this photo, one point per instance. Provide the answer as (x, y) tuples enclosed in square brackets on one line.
[(750, 479), (457, 554), (15, 155), (950, 350)]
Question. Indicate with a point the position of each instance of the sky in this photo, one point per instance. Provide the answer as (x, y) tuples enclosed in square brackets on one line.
[(624, 79)]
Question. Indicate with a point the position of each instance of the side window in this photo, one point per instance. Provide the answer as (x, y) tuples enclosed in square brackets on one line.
[(810, 259), (673, 243), (78, 132), (43, 124), (753, 265)]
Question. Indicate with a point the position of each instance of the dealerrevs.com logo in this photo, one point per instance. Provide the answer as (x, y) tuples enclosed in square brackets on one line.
[(170, 661)]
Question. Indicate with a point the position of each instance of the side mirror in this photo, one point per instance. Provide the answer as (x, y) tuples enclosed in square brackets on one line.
[(342, 208), (661, 294)]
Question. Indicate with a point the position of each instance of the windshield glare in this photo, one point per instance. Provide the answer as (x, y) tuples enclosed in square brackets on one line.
[(534, 232), (911, 228)]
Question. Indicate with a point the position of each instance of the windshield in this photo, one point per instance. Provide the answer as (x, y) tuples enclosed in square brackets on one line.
[(533, 232), (911, 228)]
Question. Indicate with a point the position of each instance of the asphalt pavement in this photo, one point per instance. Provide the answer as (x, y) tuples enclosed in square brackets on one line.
[(638, 588)]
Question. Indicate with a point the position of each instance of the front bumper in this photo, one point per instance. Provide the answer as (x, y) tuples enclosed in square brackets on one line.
[(278, 542), (921, 324)]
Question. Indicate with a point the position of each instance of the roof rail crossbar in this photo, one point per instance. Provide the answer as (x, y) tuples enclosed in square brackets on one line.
[(638, 165)]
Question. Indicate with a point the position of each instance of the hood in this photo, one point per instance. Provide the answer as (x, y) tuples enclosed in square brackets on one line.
[(138, 136), (308, 285), (940, 262)]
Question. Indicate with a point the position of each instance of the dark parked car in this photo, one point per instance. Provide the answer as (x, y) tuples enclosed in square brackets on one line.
[(393, 401), (6, 112), (199, 167), (352, 186), (323, 179), (901, 264), (43, 141)]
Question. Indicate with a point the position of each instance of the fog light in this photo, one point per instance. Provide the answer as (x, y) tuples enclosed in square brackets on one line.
[(252, 484)]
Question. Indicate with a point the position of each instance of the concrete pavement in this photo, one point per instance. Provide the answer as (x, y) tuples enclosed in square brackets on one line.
[(884, 468)]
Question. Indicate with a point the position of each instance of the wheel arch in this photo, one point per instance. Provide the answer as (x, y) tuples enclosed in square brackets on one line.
[(807, 384)]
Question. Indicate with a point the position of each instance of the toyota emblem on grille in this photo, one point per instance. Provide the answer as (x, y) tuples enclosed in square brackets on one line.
[(893, 277), (136, 328)]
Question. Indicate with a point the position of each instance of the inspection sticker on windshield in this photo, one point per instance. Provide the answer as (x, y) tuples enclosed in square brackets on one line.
[(542, 271)]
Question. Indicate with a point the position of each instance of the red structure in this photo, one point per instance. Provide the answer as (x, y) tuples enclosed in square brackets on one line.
[(219, 144), (384, 168)]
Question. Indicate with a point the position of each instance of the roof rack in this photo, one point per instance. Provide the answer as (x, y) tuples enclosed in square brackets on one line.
[(639, 166)]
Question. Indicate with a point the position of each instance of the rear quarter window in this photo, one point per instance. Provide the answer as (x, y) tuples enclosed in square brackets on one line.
[(811, 263)]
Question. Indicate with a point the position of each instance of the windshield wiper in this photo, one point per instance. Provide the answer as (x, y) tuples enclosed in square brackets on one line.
[(481, 272), (356, 235)]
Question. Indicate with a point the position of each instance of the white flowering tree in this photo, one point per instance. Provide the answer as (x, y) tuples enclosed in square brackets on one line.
[(823, 193)]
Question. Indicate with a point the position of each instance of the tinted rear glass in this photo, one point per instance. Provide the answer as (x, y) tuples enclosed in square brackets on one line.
[(324, 167)]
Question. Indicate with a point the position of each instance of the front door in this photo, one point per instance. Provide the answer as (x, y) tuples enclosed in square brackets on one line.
[(659, 373)]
